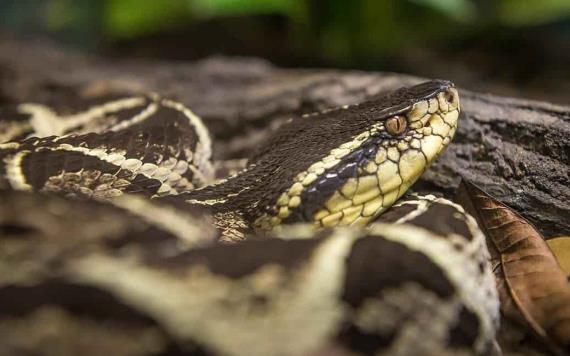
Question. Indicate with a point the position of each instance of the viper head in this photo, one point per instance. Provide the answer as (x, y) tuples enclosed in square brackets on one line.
[(380, 149)]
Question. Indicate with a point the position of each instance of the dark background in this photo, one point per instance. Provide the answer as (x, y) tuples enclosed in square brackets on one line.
[(510, 47)]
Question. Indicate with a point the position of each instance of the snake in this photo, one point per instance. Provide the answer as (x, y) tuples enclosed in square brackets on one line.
[(119, 237)]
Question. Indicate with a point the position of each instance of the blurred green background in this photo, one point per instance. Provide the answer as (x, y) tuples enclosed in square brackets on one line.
[(518, 47)]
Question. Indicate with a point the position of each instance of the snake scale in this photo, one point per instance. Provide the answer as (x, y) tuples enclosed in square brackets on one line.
[(138, 249)]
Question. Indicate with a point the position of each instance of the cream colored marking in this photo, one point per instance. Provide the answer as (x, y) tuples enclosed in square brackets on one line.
[(388, 176), (14, 172), (207, 201), (309, 178), (283, 200), (299, 319), (390, 197), (349, 188), (294, 202), (363, 136), (203, 151), (161, 173), (330, 158), (416, 125), (415, 144), (339, 153), (296, 189), (143, 115), (418, 110), (148, 169), (431, 146), (173, 178), (10, 130), (181, 167), (401, 313), (438, 126), (9, 146), (381, 155), (351, 145), (366, 183), (231, 225), (421, 207), (372, 207), (351, 214), (315, 167), (192, 231), (337, 202), (332, 220), (451, 117), (330, 164), (371, 167), (283, 212), (116, 159), (366, 195), (455, 266), (132, 165), (393, 153), (321, 214), (45, 122), (402, 146), (202, 178), (443, 104), (169, 164), (411, 165)]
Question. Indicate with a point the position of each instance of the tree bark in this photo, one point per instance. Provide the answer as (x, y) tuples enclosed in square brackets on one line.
[(517, 150)]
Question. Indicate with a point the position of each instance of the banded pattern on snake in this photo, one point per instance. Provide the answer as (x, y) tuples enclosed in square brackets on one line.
[(113, 266)]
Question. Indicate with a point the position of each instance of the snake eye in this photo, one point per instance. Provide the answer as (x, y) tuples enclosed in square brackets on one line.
[(396, 125)]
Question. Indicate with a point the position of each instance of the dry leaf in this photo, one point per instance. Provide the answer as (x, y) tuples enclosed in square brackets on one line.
[(532, 286), (561, 248)]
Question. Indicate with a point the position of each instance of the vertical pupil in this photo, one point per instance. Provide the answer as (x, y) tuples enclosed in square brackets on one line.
[(396, 125)]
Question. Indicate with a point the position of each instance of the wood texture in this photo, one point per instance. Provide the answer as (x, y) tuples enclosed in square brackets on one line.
[(518, 150)]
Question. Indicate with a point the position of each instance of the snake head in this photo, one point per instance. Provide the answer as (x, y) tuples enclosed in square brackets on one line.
[(393, 139)]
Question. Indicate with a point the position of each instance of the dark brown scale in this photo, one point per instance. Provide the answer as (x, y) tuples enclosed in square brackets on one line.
[(466, 331), (371, 257), (441, 219)]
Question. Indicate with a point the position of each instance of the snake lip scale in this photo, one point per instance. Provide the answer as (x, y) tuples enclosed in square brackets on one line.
[(147, 256)]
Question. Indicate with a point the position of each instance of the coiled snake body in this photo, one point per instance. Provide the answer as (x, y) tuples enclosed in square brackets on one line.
[(124, 274)]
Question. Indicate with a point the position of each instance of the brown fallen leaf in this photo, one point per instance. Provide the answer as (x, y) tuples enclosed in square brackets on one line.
[(533, 288), (561, 248)]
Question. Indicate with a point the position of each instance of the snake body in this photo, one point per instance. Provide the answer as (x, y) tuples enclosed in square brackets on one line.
[(415, 282)]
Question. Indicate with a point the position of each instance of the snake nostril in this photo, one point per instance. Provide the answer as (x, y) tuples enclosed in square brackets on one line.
[(449, 96)]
